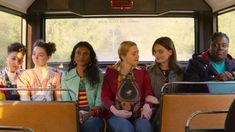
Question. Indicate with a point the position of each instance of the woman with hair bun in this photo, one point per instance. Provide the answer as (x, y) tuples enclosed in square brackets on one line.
[(40, 76)]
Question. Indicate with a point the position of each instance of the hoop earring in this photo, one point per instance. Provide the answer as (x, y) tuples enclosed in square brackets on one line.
[(74, 62), (90, 64)]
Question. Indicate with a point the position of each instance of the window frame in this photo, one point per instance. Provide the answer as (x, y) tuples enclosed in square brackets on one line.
[(141, 63)]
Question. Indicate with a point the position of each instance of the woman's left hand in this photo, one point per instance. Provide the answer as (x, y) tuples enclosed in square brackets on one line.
[(146, 112)]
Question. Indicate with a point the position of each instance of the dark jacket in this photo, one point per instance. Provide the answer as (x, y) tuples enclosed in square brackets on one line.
[(200, 69), (158, 79)]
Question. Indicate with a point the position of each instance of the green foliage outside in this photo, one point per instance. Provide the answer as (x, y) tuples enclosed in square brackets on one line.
[(105, 34), (226, 24), (10, 32)]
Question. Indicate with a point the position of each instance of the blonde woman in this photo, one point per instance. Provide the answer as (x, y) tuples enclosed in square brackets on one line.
[(124, 90)]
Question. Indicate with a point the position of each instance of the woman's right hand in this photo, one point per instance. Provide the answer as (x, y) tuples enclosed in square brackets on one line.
[(120, 113), (83, 116)]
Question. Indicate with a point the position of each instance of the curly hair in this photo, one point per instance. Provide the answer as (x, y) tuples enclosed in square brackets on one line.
[(49, 47), (16, 47), (92, 69)]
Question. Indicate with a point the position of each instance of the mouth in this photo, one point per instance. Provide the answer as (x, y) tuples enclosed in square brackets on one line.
[(220, 53), (157, 59)]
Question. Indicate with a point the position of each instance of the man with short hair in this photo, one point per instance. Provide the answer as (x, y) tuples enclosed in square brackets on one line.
[(214, 64)]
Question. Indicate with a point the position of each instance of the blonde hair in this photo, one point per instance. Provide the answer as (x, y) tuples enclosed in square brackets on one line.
[(124, 48)]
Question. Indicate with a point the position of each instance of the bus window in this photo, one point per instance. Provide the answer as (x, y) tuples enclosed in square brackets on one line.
[(10, 32), (226, 23), (107, 33)]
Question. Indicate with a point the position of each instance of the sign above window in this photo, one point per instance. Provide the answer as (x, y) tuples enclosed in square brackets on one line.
[(122, 4)]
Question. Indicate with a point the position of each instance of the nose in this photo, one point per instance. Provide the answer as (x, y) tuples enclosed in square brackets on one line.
[(81, 56), (220, 46)]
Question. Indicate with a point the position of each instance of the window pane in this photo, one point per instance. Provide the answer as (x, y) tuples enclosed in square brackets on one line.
[(105, 34), (10, 32), (226, 24)]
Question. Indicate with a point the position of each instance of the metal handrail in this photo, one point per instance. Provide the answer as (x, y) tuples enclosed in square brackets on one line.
[(188, 122), (37, 89), (16, 128), (197, 83)]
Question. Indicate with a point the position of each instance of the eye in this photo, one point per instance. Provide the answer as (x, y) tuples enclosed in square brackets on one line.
[(78, 53), (86, 54), (160, 51), (225, 45), (13, 58)]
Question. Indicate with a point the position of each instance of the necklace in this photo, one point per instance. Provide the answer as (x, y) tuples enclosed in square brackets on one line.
[(165, 73)]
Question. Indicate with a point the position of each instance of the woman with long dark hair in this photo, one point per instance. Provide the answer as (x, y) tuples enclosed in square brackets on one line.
[(164, 70), (85, 79)]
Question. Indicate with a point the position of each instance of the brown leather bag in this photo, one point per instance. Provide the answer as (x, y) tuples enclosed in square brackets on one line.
[(128, 96)]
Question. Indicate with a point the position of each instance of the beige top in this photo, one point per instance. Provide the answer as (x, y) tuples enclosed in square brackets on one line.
[(39, 78)]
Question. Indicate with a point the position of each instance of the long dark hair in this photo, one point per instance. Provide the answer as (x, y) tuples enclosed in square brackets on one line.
[(167, 43), (92, 69)]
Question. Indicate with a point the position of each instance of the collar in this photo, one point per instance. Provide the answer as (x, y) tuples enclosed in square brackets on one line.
[(71, 74), (117, 67), (205, 55)]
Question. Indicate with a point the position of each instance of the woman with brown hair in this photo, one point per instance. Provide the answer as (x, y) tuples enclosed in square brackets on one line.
[(164, 70), (41, 76)]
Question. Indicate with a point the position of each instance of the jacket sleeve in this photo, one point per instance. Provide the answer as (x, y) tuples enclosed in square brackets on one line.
[(196, 72), (148, 90), (98, 93), (106, 94), (57, 85), (192, 73), (65, 96), (23, 82)]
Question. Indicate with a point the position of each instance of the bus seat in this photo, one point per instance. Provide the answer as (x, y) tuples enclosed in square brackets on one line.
[(207, 120), (229, 123), (40, 116), (176, 108)]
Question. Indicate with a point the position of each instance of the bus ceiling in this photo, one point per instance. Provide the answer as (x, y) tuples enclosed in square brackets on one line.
[(85, 8)]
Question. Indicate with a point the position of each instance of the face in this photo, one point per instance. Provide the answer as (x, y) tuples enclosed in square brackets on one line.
[(161, 54), (219, 48), (14, 61), (132, 56), (82, 56), (40, 56)]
